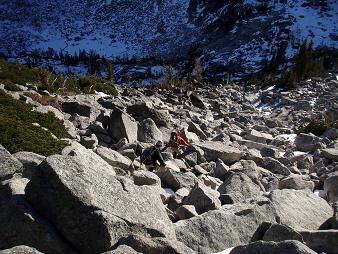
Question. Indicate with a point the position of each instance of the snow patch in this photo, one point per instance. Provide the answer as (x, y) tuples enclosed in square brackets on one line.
[(227, 251)]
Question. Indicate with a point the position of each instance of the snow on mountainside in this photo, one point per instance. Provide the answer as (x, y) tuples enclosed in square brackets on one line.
[(241, 33)]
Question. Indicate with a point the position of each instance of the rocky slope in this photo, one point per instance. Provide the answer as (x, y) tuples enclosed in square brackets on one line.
[(239, 33), (247, 182)]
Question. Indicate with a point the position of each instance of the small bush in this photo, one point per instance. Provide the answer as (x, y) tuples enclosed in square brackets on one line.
[(10, 86), (317, 127), (43, 99), (18, 134)]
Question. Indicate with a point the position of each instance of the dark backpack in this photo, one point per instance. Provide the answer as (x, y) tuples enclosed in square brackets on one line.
[(146, 156)]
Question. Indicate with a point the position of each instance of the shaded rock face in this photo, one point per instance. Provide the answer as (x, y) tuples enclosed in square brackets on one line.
[(300, 209), (205, 233), (8, 164), (91, 203), (30, 162), (176, 180), (292, 247), (308, 142), (122, 125), (20, 224), (142, 111), (296, 182)]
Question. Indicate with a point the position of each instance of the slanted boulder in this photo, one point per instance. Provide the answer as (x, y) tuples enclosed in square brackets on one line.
[(148, 131), (259, 137), (197, 101), (300, 209), (142, 177), (176, 180), (193, 127), (9, 165), (122, 125), (186, 212), (274, 166), (87, 202), (297, 182), (214, 150), (114, 158), (229, 226), (203, 198)]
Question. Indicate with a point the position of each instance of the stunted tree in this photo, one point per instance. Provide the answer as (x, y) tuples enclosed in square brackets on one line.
[(198, 70), (110, 71)]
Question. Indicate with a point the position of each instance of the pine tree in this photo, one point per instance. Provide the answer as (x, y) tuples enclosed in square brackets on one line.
[(198, 70), (110, 72)]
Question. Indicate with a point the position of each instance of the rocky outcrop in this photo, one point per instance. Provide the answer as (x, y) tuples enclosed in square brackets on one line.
[(331, 187), (148, 131), (214, 150)]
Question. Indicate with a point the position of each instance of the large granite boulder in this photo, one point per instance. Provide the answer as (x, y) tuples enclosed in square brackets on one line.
[(20, 250), (30, 162), (122, 125), (300, 209), (88, 202), (259, 137), (148, 131), (331, 187), (330, 153), (176, 180), (114, 158), (308, 142)]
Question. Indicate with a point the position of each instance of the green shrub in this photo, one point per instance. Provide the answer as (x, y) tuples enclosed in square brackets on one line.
[(18, 134), (317, 127), (10, 86)]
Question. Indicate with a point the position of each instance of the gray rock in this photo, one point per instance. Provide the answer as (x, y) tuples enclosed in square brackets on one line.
[(186, 212), (203, 198), (9, 165), (206, 233), (78, 107), (13, 186), (308, 142), (303, 105), (197, 101), (114, 158), (21, 225), (97, 128), (260, 247), (30, 162), (296, 182), (239, 187), (142, 111), (331, 187), (155, 245), (142, 177), (270, 152), (20, 250), (274, 166), (91, 203), (45, 109), (191, 159), (176, 180), (300, 209), (89, 142), (214, 150), (331, 153), (220, 171), (190, 137), (259, 137), (331, 133), (70, 128), (148, 131), (121, 125), (122, 249), (80, 122)]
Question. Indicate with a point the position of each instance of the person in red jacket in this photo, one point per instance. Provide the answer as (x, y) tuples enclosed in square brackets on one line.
[(175, 143)]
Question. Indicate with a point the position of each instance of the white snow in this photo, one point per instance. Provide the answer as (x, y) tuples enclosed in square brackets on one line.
[(169, 191), (227, 251), (298, 153)]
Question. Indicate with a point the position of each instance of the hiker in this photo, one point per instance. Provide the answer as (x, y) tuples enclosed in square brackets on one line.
[(152, 157), (176, 142)]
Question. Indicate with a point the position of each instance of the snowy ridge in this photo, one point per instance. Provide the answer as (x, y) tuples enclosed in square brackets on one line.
[(244, 33)]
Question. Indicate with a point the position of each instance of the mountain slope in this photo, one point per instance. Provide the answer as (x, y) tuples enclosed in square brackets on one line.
[(242, 32)]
